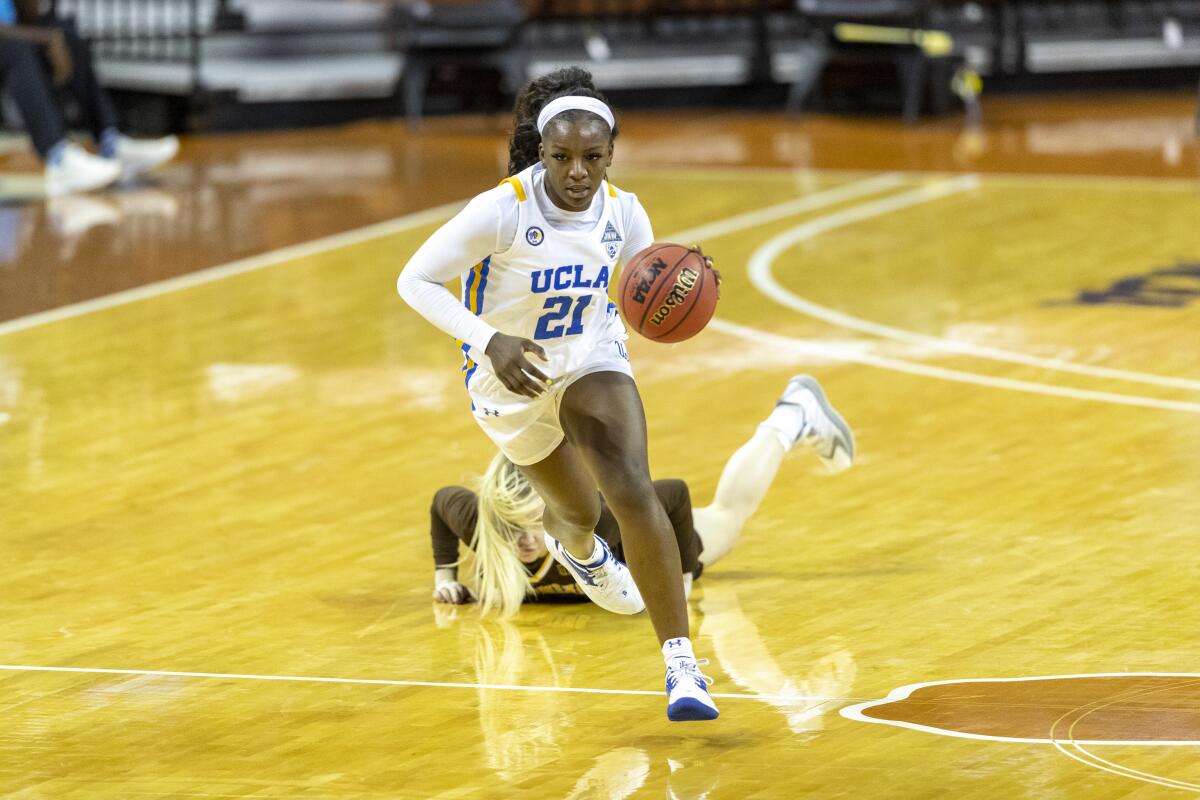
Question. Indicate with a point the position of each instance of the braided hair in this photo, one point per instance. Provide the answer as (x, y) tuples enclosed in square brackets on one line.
[(523, 145)]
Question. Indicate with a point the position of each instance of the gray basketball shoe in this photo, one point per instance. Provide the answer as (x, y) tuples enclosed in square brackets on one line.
[(824, 430)]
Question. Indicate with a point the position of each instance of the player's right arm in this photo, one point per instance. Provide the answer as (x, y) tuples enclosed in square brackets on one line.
[(452, 518), (465, 240), (485, 227)]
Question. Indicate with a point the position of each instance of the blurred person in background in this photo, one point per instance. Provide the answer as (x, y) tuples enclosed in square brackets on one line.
[(38, 56)]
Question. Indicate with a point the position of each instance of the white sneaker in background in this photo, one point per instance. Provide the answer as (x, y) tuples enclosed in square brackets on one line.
[(823, 429), (138, 156), (607, 582), (80, 171)]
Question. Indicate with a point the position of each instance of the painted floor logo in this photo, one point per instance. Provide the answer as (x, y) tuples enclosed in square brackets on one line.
[(1069, 712), (1118, 708), (1169, 287)]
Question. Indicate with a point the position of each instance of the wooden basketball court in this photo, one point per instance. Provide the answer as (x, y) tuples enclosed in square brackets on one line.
[(220, 430)]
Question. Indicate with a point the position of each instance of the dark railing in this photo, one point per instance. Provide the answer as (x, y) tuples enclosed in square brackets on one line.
[(169, 29), (173, 31), (152, 30)]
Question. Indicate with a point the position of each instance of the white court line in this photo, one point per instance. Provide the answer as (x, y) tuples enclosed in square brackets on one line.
[(389, 682), (240, 267), (857, 189), (789, 208), (440, 213), (760, 265), (1170, 783), (1130, 772), (1016, 179), (1099, 762), (836, 353), (1118, 769), (871, 185), (855, 712)]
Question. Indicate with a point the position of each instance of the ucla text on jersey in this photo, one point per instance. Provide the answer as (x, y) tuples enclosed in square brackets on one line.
[(569, 276)]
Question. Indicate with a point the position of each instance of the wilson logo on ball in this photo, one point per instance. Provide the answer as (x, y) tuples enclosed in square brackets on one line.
[(679, 293)]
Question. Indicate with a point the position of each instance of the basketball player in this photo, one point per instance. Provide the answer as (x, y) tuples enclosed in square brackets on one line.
[(544, 360), (503, 523)]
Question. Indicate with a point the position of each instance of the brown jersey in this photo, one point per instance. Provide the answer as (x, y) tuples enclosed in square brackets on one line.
[(455, 510)]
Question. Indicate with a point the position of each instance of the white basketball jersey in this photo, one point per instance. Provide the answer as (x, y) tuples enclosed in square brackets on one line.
[(550, 286)]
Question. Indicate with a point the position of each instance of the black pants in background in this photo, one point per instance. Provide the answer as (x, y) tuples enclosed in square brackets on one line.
[(25, 74)]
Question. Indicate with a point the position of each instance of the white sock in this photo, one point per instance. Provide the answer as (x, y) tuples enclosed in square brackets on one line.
[(677, 650), (595, 555), (786, 422)]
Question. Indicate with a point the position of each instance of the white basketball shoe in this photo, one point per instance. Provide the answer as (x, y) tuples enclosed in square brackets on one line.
[(607, 582), (138, 156), (77, 170), (823, 429), (687, 692)]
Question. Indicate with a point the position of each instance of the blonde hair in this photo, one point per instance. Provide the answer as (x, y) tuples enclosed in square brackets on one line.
[(508, 506)]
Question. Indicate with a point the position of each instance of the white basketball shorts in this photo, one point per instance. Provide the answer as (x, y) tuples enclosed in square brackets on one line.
[(527, 429)]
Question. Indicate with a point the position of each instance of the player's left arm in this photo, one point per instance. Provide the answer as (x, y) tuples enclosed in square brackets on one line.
[(452, 520)]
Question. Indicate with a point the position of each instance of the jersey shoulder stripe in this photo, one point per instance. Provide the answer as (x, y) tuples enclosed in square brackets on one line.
[(515, 183), (473, 291)]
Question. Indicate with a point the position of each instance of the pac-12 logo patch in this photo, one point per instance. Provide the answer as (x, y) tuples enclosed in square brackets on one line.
[(612, 250), (535, 236)]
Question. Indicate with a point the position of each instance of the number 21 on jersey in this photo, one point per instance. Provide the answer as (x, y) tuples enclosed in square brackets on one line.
[(553, 324)]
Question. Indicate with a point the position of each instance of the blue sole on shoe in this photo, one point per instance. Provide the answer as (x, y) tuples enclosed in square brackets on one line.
[(687, 709)]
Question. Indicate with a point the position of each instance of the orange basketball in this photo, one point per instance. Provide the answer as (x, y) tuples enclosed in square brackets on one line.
[(667, 292)]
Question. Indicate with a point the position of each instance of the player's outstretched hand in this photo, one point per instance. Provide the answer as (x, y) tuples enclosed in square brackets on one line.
[(716, 272), (454, 593), (513, 367)]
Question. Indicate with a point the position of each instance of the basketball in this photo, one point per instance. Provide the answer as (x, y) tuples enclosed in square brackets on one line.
[(667, 292)]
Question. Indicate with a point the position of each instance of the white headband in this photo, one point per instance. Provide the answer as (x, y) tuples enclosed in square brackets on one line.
[(574, 102)]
